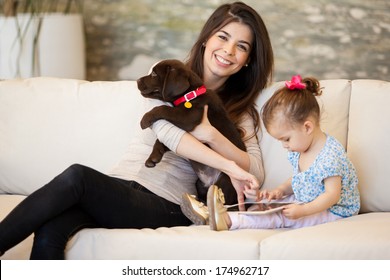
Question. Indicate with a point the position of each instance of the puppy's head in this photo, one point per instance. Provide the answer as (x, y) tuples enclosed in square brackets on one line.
[(168, 80)]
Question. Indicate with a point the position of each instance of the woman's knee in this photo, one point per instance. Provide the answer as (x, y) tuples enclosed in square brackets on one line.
[(75, 171), (71, 179), (73, 175)]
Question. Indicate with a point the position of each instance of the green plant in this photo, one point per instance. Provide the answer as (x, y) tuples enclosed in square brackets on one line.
[(36, 10), (37, 7)]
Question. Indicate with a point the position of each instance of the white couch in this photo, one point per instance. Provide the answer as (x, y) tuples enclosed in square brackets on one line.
[(46, 124)]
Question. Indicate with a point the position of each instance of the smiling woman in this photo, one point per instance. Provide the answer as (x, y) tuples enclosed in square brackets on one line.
[(234, 56), (226, 52), (242, 88), (132, 195)]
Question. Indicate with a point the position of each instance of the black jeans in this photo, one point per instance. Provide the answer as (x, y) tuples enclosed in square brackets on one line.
[(81, 197)]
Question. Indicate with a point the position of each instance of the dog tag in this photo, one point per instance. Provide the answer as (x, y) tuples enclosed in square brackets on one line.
[(188, 105)]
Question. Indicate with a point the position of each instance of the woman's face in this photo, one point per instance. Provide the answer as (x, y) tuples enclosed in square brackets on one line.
[(226, 52)]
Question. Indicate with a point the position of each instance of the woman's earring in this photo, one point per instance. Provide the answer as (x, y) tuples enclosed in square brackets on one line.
[(246, 65), (204, 44)]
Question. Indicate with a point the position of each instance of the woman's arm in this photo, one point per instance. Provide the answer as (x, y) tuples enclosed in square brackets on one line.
[(192, 148), (209, 135), (186, 145), (250, 160)]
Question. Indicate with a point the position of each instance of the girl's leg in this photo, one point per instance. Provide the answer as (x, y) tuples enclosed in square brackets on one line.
[(267, 221), (110, 202), (277, 220), (312, 220)]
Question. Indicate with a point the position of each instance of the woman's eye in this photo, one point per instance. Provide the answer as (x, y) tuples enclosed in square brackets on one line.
[(222, 37), (242, 48)]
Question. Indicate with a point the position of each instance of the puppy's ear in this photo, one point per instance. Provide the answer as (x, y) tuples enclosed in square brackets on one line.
[(194, 79), (176, 82)]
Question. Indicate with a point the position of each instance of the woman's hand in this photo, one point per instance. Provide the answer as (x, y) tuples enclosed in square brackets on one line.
[(252, 193), (204, 131), (243, 182)]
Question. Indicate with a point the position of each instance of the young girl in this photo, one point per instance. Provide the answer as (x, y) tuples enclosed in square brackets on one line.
[(233, 46), (324, 181)]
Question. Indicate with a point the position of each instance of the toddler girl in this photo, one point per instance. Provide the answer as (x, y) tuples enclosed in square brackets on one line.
[(324, 182)]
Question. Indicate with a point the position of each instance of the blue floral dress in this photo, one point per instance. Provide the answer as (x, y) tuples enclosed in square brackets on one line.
[(331, 161)]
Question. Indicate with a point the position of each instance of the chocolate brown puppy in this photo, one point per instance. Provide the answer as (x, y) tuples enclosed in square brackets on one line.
[(174, 82)]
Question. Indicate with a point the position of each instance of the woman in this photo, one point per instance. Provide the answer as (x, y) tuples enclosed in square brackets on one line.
[(234, 56)]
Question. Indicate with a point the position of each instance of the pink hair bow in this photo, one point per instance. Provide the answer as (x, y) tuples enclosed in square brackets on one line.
[(295, 83)]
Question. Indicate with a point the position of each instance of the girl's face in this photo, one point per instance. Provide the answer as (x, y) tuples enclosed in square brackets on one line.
[(226, 52), (294, 137)]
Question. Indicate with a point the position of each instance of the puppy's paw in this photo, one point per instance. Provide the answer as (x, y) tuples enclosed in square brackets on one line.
[(149, 163), (154, 158), (146, 121)]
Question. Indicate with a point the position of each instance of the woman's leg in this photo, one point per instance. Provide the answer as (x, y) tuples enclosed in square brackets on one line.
[(41, 206), (51, 238), (110, 202)]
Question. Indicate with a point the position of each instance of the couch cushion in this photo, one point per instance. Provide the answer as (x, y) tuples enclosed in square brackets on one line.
[(181, 243), (363, 237), (47, 124), (368, 142), (334, 104)]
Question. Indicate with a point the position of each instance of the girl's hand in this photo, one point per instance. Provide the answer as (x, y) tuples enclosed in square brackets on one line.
[(270, 195), (203, 131), (294, 211)]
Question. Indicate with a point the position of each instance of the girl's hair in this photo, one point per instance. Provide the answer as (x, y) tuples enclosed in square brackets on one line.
[(296, 104), (241, 90)]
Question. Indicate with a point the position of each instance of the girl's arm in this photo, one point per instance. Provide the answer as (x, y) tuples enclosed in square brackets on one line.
[(323, 202)]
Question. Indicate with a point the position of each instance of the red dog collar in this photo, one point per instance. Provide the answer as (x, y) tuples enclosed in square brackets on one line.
[(189, 96)]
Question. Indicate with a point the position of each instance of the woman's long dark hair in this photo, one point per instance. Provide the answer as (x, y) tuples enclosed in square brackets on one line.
[(241, 89)]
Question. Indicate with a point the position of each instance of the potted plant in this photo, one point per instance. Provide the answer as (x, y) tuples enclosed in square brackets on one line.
[(42, 38)]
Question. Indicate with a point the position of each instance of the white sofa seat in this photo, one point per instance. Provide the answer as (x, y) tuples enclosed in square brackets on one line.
[(176, 243), (361, 237)]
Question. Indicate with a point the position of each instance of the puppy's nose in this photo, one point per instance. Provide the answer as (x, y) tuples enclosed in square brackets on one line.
[(140, 84)]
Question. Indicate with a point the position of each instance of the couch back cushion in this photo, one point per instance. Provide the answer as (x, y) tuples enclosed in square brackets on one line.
[(368, 142), (47, 124), (334, 104)]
